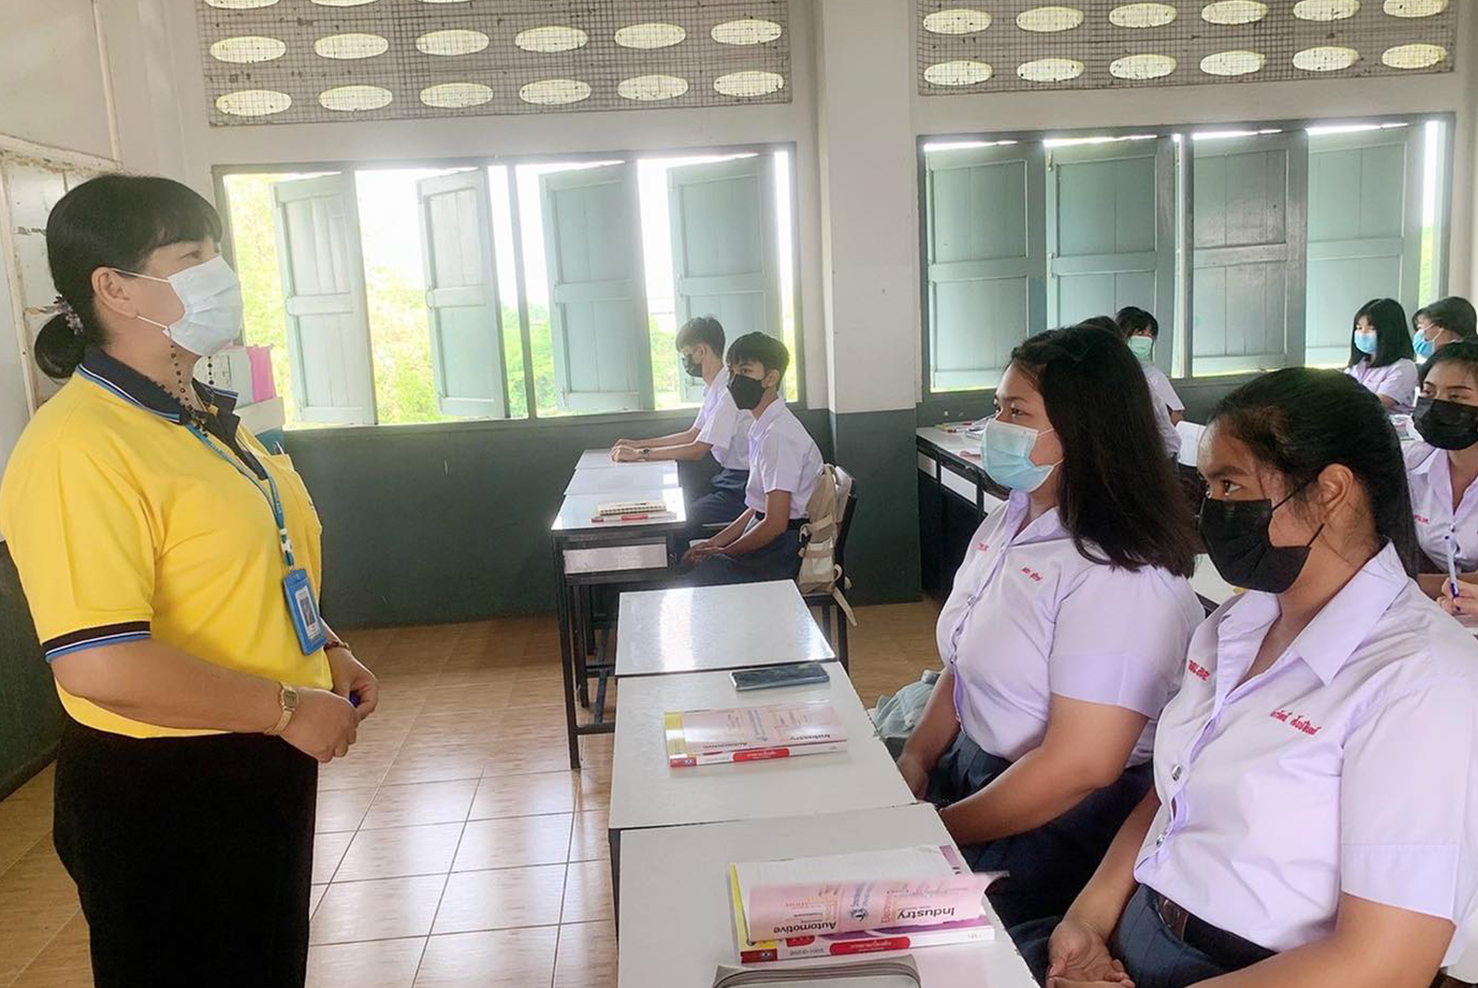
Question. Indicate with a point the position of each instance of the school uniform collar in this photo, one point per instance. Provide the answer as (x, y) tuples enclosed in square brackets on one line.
[(720, 380), (123, 381), (1435, 460), (1043, 528), (1340, 627), (770, 414)]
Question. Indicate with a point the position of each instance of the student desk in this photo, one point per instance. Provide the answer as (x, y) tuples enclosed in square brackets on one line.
[(617, 480), (697, 629), (955, 495), (589, 553), (676, 886)]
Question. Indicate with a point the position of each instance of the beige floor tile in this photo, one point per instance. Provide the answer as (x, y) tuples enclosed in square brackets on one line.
[(25, 817), (362, 768), (514, 842), (422, 802), (437, 763), (587, 956), (342, 809), (588, 892), (378, 910), (400, 852), (501, 899), (591, 838), (314, 898), (498, 959), (328, 851), (65, 962), (524, 795), (37, 899), (378, 964), (523, 756)]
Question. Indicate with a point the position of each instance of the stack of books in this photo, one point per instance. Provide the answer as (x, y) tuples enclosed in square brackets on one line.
[(747, 734), (857, 903)]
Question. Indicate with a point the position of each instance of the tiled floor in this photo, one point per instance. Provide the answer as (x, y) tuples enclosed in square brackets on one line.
[(455, 848)]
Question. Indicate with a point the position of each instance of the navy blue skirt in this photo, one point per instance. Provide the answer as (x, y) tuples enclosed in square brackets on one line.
[(1050, 865)]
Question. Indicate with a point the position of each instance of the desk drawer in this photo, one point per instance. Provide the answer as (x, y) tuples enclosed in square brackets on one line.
[(617, 558)]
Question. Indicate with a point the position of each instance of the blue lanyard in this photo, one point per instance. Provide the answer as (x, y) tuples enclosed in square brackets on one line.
[(273, 501)]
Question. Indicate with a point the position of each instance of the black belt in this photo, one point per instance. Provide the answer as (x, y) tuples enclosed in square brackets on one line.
[(794, 525), (1227, 949)]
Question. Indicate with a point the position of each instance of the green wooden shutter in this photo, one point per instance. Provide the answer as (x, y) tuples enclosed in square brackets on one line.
[(1365, 230), (986, 260), (1111, 233), (1248, 253), (466, 317), (328, 338), (597, 297), (724, 251)]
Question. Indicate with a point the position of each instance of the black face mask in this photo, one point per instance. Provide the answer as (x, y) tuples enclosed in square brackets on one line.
[(691, 367), (1446, 424), (1236, 537), (747, 392)]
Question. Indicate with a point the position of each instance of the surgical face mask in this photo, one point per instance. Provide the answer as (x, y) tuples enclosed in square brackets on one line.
[(1236, 537), (691, 367), (1142, 346), (1006, 451), (211, 296), (1446, 424), (1365, 341), (1424, 347), (747, 392)]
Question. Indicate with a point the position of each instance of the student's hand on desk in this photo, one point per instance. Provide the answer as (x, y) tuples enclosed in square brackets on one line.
[(1466, 601), (324, 725), (914, 774), (350, 676), (625, 454), (1078, 956)]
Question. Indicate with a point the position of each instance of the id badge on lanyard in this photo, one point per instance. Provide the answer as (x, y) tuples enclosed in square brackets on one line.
[(297, 586)]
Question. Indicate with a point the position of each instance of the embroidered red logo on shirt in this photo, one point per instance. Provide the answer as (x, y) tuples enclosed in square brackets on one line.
[(1298, 723), (982, 546), (1197, 670), (1033, 574), (1421, 519)]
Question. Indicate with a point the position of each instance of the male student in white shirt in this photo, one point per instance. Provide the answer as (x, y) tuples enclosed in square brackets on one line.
[(764, 542), (720, 430)]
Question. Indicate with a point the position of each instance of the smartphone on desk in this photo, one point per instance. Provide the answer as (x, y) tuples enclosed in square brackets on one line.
[(773, 677)]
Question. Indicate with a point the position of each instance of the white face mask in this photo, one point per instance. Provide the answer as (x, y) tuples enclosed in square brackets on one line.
[(211, 295)]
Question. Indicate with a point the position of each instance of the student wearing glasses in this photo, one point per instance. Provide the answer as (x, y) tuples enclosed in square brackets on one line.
[(1381, 354)]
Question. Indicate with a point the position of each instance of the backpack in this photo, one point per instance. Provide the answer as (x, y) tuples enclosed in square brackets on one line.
[(824, 514)]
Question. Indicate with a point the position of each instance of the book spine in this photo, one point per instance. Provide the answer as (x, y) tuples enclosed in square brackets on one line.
[(799, 948)]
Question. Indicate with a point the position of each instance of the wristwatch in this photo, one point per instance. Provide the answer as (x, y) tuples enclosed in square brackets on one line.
[(287, 699), (645, 452)]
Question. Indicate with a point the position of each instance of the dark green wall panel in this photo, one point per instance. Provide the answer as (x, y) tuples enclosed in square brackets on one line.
[(30, 713), (879, 450)]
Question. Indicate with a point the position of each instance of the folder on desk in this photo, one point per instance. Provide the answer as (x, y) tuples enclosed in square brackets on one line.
[(851, 889), (751, 734)]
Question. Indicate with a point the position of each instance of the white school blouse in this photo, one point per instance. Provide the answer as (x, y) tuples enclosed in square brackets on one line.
[(1165, 401), (1396, 381), (1351, 766), (1029, 616), (723, 426), (1429, 478)]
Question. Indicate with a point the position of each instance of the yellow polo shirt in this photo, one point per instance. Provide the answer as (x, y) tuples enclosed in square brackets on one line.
[(123, 526)]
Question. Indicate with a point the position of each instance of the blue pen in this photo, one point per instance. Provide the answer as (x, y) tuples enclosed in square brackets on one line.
[(1452, 564), (354, 697)]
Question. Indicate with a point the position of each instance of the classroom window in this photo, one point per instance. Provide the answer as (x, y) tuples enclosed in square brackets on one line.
[(408, 295), (1253, 245)]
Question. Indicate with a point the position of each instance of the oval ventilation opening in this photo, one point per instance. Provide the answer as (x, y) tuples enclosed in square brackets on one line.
[(348, 46), (646, 37), (1234, 12), (1050, 70), (554, 92), (248, 49), (747, 31), (456, 95), (1233, 63), (652, 88), (1326, 58), (960, 72), (253, 102), (749, 83), (354, 99), (1142, 15), (551, 38), (957, 20)]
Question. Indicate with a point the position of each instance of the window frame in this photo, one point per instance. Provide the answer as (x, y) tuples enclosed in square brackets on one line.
[(220, 172), (1184, 230)]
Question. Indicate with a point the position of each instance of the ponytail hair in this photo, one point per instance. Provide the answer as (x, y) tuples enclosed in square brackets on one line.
[(112, 221), (1299, 420)]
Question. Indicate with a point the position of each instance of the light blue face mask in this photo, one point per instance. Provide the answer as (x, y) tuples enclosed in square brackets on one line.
[(1142, 347), (1365, 341), (1424, 347), (1006, 451)]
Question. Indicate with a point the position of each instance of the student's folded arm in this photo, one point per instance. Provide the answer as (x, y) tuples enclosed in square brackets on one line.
[(733, 530), (662, 442), (1085, 749), (686, 452), (777, 517)]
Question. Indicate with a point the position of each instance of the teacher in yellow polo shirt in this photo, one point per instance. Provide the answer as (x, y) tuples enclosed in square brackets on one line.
[(171, 565)]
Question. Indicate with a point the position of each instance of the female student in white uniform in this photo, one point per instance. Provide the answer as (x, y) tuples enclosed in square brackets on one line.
[(1442, 469), (1381, 354), (1314, 820), (1066, 628), (1446, 320), (1140, 330)]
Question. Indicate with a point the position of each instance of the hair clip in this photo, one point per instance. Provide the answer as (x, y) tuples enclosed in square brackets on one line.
[(74, 321)]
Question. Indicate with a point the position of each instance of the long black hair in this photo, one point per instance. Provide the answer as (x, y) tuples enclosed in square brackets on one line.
[(112, 221), (1463, 352), (1118, 493), (1299, 420), (1392, 342)]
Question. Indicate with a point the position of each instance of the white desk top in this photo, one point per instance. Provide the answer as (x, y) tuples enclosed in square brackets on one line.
[(958, 443), (696, 629), (576, 510), (675, 913), (646, 792), (614, 479)]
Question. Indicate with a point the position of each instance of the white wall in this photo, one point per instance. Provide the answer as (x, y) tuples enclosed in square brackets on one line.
[(52, 76)]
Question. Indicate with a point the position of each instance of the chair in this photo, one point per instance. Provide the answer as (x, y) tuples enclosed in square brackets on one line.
[(836, 634)]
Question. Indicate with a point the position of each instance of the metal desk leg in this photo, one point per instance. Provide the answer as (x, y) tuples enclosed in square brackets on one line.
[(583, 618), (615, 839), (567, 659)]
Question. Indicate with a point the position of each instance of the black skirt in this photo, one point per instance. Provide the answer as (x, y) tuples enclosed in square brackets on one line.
[(192, 856)]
